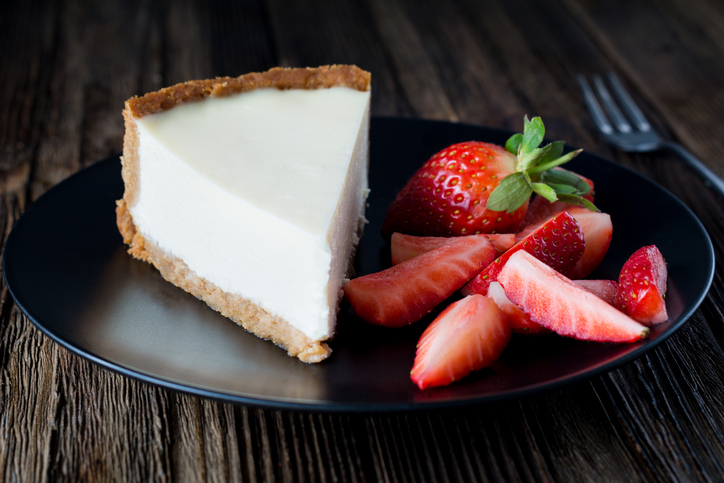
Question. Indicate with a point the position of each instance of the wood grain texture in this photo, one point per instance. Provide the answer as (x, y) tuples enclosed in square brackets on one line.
[(68, 65)]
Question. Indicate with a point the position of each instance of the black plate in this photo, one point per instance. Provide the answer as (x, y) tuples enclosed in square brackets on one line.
[(68, 271)]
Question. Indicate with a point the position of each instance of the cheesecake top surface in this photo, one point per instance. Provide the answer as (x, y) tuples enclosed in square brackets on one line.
[(286, 151)]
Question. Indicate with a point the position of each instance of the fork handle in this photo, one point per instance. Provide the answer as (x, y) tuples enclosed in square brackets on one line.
[(710, 178)]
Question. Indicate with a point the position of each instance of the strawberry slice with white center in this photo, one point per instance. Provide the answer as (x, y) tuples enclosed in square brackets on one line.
[(405, 293), (642, 286), (518, 320), (558, 243), (557, 303), (467, 336), (403, 247)]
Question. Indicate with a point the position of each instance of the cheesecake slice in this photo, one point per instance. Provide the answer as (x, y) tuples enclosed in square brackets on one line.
[(249, 193)]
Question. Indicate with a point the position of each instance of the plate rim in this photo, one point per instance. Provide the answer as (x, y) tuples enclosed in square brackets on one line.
[(305, 405)]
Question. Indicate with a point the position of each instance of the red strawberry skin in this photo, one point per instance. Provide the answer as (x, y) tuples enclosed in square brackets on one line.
[(642, 286), (558, 243), (448, 195), (403, 247), (468, 335), (554, 301), (597, 231), (405, 293)]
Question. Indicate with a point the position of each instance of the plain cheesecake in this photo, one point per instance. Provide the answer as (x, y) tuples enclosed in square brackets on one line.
[(249, 193)]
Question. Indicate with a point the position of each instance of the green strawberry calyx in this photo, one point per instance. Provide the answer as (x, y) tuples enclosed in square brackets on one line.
[(535, 174)]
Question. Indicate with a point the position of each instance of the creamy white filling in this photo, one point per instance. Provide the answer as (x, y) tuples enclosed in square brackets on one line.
[(256, 193), (286, 152)]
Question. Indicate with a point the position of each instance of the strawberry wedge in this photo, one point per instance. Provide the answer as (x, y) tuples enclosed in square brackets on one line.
[(405, 293), (518, 320), (558, 243), (468, 335), (554, 301), (596, 227), (403, 247), (597, 231), (642, 286)]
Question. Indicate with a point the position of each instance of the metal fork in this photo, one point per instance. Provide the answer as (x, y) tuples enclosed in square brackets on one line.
[(641, 137)]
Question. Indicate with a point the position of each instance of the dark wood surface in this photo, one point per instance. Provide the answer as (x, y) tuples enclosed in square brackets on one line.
[(65, 69)]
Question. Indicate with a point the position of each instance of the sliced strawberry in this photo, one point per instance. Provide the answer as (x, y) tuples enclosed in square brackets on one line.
[(404, 247), (518, 320), (597, 232), (503, 241), (468, 335), (540, 210), (554, 301), (558, 243), (606, 290), (642, 286), (406, 292)]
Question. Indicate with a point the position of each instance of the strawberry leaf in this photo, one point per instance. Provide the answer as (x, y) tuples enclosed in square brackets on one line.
[(512, 192), (513, 143), (563, 188), (552, 164), (531, 159), (553, 151), (546, 154), (563, 177), (545, 191), (533, 172), (578, 200), (533, 133)]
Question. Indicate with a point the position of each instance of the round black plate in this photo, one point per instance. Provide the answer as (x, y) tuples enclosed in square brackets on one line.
[(68, 271)]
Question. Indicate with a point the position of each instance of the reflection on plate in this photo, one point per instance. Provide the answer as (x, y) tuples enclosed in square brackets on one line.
[(67, 269)]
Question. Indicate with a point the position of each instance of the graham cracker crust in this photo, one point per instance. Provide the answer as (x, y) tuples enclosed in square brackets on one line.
[(242, 311)]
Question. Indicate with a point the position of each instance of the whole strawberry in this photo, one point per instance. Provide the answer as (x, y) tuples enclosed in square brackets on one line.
[(449, 194), (476, 187)]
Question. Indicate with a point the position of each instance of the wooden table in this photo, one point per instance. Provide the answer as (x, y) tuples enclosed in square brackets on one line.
[(67, 66)]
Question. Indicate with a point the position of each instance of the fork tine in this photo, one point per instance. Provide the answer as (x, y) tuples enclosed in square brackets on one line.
[(594, 107), (628, 104), (618, 119)]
